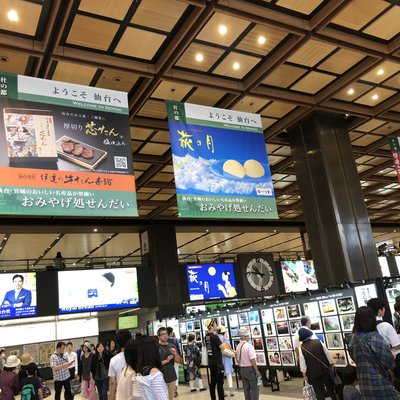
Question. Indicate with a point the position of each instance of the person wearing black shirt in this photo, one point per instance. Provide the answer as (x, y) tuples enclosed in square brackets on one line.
[(214, 348)]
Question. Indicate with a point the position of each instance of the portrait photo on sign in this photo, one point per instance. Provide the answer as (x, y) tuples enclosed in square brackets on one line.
[(347, 322), (331, 324), (260, 358), (272, 344), (288, 358), (255, 331), (334, 341), (269, 329), (274, 359), (328, 307), (282, 328), (280, 313), (294, 311), (346, 305)]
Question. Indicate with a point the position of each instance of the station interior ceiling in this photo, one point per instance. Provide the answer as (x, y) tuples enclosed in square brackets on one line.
[(293, 57)]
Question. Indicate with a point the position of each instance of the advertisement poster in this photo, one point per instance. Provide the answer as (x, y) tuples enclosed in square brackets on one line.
[(394, 142), (18, 295), (211, 281), (101, 289), (33, 350), (220, 163), (45, 352), (65, 150), (298, 276)]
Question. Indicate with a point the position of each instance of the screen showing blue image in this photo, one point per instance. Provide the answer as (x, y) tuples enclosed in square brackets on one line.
[(97, 289), (211, 281), (18, 295)]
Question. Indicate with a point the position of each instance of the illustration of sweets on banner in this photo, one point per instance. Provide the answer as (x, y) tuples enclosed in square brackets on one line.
[(394, 142), (220, 163)]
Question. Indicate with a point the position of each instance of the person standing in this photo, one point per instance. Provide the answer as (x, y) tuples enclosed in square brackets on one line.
[(227, 361), (167, 361), (9, 382), (59, 261), (2, 359), (118, 362), (173, 340), (87, 376), (193, 358), (214, 348), (32, 383), (72, 358), (60, 366), (305, 323), (100, 364), (315, 362), (246, 359)]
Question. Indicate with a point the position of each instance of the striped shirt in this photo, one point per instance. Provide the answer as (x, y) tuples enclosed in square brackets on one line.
[(63, 373)]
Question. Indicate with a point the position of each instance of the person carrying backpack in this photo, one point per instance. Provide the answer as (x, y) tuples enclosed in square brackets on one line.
[(193, 358), (30, 387)]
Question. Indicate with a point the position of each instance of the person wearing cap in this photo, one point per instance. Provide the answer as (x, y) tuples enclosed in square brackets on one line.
[(214, 348), (246, 359), (26, 359), (305, 323), (9, 382), (227, 361), (315, 361)]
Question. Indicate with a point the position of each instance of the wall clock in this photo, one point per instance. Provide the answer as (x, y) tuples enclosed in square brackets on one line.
[(259, 274)]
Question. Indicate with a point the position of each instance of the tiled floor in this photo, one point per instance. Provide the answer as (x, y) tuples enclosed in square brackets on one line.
[(289, 390)]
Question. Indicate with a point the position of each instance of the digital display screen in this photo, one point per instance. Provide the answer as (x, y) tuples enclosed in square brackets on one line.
[(211, 281), (18, 295), (299, 275), (128, 322), (97, 289)]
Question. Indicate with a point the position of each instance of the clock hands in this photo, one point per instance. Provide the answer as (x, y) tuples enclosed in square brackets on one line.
[(257, 271)]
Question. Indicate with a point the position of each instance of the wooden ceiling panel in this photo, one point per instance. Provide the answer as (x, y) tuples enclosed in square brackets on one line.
[(393, 82), (17, 248), (234, 27), (250, 104), (106, 8), (352, 91), (251, 42), (246, 64), (365, 140), (162, 137), (381, 72), (171, 91), (267, 122), (92, 32), (341, 61), (73, 73), (386, 26), (369, 100), (356, 14), (284, 76), (139, 43), (154, 109), (370, 125), (157, 149), (122, 244), (387, 128), (210, 56), (140, 133), (13, 62), (301, 6), (28, 16), (206, 96), (204, 243), (117, 80), (277, 109), (157, 14), (311, 53), (313, 82)]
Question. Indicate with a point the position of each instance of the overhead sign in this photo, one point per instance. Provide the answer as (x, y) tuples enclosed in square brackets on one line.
[(220, 163), (65, 149), (394, 142)]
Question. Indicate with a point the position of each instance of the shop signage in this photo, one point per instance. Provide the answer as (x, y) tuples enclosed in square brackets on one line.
[(394, 142), (220, 163), (64, 149)]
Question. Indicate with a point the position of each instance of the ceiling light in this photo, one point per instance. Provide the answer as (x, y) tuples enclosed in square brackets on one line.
[(380, 71), (222, 29), (261, 40), (375, 97), (199, 57), (236, 66), (350, 91), (95, 230), (12, 16)]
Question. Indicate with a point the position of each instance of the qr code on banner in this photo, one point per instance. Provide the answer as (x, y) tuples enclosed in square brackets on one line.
[(120, 162)]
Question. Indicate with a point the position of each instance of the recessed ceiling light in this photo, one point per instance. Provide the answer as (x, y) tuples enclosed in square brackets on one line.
[(236, 65), (261, 40), (95, 230), (199, 57), (375, 97), (380, 71), (350, 91), (12, 15), (222, 29)]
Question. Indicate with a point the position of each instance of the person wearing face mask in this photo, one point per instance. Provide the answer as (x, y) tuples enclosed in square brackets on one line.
[(246, 359)]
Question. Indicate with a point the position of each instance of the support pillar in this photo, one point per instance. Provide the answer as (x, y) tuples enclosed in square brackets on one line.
[(162, 255), (335, 214)]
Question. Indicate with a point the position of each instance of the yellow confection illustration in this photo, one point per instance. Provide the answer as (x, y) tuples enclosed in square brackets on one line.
[(234, 168), (254, 169)]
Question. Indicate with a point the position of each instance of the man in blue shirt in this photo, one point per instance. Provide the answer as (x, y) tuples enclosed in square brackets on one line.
[(19, 297)]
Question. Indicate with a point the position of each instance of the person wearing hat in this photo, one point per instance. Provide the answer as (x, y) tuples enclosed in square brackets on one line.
[(305, 323), (246, 359), (26, 359), (214, 348), (227, 361), (9, 382), (315, 362)]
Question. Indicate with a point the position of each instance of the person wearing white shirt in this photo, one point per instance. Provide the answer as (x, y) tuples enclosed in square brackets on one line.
[(386, 331), (72, 358), (305, 323)]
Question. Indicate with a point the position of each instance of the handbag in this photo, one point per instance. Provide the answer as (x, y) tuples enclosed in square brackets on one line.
[(75, 387), (204, 355), (308, 392), (228, 353), (45, 388)]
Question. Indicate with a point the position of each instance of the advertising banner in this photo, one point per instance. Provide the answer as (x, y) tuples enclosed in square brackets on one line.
[(220, 163), (394, 142), (65, 150)]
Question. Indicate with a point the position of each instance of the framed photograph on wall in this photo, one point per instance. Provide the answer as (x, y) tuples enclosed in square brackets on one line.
[(269, 329), (331, 324), (347, 322), (274, 359), (334, 341), (328, 307), (260, 358), (293, 311), (346, 305), (280, 313), (288, 358), (272, 344), (285, 343)]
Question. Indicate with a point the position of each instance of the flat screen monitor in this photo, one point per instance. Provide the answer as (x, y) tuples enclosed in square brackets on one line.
[(18, 295), (211, 281), (128, 322), (299, 275), (97, 289)]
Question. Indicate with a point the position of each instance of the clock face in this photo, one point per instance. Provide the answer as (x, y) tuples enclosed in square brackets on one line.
[(259, 274)]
